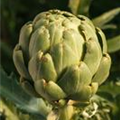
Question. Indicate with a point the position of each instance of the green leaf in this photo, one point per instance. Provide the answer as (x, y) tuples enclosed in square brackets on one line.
[(9, 114), (109, 26), (110, 88), (106, 17), (80, 6), (11, 90), (98, 108), (106, 108), (113, 44)]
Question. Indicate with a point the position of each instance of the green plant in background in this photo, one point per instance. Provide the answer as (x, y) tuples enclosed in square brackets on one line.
[(92, 103)]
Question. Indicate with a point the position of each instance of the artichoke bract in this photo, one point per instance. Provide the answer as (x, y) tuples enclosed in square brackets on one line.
[(60, 56)]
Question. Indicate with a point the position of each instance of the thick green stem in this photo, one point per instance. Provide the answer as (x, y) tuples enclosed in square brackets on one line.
[(66, 112), (63, 113)]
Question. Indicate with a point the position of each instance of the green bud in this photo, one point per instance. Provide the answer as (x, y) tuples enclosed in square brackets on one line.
[(61, 57)]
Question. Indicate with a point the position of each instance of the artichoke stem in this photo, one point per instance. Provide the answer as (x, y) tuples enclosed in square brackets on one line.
[(66, 112)]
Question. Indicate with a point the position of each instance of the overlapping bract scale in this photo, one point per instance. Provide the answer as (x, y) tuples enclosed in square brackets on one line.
[(61, 56)]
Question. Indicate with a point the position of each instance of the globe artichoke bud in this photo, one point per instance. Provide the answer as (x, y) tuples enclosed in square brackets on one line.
[(60, 56)]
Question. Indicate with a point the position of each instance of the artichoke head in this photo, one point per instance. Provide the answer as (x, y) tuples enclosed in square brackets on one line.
[(60, 56)]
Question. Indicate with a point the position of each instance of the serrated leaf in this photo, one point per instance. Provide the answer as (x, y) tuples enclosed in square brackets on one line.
[(107, 108), (11, 90), (106, 17), (98, 109), (113, 44), (80, 6)]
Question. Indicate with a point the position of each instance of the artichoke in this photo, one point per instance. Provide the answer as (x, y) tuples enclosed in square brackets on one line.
[(61, 57)]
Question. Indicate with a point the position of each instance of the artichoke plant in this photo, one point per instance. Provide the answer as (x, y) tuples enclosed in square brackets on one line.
[(61, 57)]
